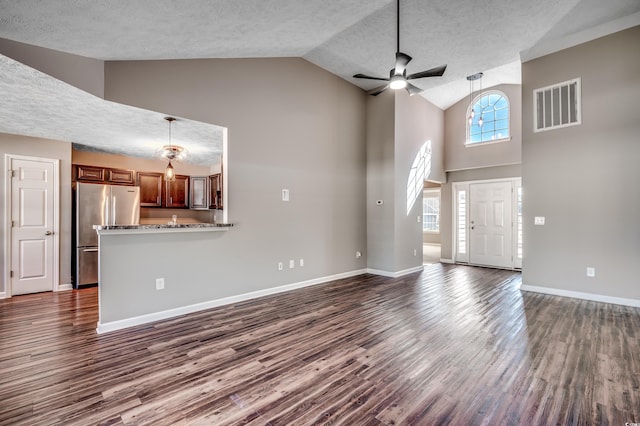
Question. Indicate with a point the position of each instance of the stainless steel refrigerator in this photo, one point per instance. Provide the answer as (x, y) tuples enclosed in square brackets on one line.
[(97, 204)]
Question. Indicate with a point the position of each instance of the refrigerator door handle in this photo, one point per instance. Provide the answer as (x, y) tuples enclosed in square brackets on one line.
[(106, 211), (91, 249), (113, 209)]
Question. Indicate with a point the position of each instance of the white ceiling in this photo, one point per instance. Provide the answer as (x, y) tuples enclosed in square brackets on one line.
[(344, 37)]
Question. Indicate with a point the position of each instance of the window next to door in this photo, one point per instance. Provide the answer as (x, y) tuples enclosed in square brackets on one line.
[(431, 211)]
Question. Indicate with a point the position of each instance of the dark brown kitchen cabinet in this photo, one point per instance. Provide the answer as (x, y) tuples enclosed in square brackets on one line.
[(97, 174), (215, 191), (150, 184), (89, 173), (177, 193), (120, 176)]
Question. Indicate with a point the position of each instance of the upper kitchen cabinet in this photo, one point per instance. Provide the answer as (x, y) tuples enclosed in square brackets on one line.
[(199, 193), (215, 191), (177, 193), (150, 184), (97, 174), (122, 177)]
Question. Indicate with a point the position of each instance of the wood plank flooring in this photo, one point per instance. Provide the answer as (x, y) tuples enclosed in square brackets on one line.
[(451, 345)]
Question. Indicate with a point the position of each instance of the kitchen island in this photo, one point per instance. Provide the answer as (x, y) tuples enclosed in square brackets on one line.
[(151, 272)]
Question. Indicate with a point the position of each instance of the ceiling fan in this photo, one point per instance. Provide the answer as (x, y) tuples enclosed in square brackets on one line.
[(398, 78)]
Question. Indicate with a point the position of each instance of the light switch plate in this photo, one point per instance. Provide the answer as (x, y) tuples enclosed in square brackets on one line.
[(538, 220), (285, 195)]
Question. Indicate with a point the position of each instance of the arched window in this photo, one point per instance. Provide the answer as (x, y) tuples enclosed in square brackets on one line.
[(489, 120), (420, 170)]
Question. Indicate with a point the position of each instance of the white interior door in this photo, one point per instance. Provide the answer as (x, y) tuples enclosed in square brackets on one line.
[(32, 225), (490, 224)]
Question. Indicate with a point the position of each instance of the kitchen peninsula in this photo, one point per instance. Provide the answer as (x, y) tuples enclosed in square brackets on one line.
[(158, 271)]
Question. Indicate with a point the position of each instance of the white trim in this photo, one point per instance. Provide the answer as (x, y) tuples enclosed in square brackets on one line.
[(395, 274), (7, 216), (3, 294), (449, 261), (492, 141), (580, 295), (170, 313), (65, 287)]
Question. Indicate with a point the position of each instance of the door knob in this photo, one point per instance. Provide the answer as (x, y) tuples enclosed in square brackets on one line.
[(48, 233)]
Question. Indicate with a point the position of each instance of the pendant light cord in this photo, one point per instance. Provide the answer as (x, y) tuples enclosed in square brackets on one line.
[(398, 26)]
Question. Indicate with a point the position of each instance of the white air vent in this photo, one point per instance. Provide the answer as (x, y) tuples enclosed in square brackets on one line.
[(557, 106)]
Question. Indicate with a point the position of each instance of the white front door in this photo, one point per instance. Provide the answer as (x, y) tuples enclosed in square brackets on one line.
[(33, 248), (490, 224)]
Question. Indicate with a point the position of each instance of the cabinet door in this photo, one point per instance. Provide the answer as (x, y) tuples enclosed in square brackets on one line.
[(177, 193), (150, 184), (199, 193), (90, 173), (122, 177), (215, 191)]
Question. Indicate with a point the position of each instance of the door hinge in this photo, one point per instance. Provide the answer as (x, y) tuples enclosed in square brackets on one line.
[(13, 223), (12, 173)]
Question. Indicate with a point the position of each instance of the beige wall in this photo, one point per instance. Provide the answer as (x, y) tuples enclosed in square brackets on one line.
[(585, 179), (290, 125), (460, 157), (416, 121), (84, 73), (45, 148)]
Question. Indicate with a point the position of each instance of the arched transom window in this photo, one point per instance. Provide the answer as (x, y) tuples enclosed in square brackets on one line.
[(489, 120)]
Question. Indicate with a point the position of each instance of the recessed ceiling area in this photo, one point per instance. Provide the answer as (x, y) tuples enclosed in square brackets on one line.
[(344, 37)]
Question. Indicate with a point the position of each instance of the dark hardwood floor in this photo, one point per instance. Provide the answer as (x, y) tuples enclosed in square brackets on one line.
[(451, 345)]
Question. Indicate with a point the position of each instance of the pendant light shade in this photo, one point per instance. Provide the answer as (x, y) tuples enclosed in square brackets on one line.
[(169, 173)]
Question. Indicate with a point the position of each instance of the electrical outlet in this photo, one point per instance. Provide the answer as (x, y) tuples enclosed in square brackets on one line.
[(358, 255), (591, 271), (159, 283), (538, 220), (280, 266), (292, 264), (301, 262), (285, 195)]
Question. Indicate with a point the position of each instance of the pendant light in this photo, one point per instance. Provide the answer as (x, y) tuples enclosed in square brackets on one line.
[(170, 152), (472, 113)]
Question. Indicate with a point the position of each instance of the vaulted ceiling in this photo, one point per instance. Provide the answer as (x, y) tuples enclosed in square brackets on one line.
[(344, 37)]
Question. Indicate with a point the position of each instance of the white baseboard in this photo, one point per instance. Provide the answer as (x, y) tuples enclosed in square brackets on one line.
[(170, 313), (580, 295), (395, 274), (65, 287), (451, 261), (3, 294)]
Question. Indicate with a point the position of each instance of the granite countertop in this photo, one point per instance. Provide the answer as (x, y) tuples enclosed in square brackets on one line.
[(151, 228)]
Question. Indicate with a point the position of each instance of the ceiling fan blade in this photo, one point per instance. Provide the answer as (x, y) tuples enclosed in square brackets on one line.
[(369, 77), (433, 72), (402, 59), (413, 90), (378, 90)]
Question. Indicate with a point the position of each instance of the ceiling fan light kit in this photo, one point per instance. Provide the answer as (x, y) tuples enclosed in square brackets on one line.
[(398, 78)]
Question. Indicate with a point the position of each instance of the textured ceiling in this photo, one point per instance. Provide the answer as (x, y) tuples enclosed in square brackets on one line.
[(35, 104), (342, 36)]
